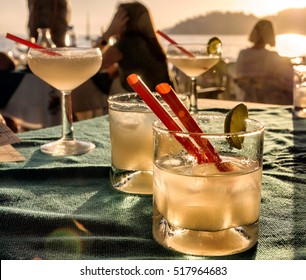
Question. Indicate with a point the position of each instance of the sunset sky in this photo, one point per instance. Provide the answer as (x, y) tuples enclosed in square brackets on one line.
[(13, 13)]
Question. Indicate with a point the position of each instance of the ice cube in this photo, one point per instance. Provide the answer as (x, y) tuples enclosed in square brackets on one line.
[(206, 169), (128, 121)]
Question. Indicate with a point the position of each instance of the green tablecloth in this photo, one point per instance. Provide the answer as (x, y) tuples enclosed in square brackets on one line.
[(65, 207)]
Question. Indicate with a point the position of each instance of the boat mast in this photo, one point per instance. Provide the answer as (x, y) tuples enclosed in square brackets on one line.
[(87, 27)]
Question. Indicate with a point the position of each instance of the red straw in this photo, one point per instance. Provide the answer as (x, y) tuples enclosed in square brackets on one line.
[(144, 92), (176, 105), (165, 36), (29, 44), (178, 108)]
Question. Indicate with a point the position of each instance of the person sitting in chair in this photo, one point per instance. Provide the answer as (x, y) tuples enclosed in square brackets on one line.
[(261, 73)]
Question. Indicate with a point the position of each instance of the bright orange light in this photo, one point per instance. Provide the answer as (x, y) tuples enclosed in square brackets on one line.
[(291, 45), (268, 7)]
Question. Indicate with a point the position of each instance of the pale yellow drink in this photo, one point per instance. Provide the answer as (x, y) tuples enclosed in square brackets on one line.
[(132, 141), (210, 203), (67, 71), (193, 66)]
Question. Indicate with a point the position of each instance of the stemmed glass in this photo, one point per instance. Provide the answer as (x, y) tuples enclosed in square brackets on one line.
[(65, 69), (194, 60)]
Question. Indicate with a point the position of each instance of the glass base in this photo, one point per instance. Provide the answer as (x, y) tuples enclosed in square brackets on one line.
[(204, 243), (63, 147), (299, 112), (132, 181)]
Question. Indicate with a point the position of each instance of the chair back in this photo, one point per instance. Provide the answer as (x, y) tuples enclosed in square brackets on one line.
[(264, 90)]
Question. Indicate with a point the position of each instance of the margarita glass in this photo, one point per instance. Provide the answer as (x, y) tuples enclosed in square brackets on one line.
[(65, 69), (193, 60)]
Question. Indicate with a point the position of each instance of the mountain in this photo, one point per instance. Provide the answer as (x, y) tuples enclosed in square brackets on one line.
[(290, 21), (286, 21)]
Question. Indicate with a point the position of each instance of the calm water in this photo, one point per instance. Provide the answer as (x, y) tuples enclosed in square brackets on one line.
[(231, 44), (287, 45), (291, 45)]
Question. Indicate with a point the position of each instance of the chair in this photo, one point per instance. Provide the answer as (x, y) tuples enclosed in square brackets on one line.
[(211, 92), (30, 105), (264, 90), (210, 85)]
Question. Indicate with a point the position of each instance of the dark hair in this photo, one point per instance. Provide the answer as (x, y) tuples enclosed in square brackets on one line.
[(141, 24), (263, 32)]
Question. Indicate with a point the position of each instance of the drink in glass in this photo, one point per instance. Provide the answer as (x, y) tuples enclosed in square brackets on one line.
[(193, 60), (65, 69), (201, 209), (299, 91), (131, 135)]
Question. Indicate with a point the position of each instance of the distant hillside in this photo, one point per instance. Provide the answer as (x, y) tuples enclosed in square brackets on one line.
[(286, 21), (290, 21)]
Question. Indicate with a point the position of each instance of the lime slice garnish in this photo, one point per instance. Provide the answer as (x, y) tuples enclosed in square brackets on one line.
[(235, 122), (214, 45)]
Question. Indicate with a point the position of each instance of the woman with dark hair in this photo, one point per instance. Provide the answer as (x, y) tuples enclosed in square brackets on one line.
[(6, 64), (137, 49), (53, 14), (8, 82)]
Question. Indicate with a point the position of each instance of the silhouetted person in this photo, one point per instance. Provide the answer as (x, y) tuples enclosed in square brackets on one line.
[(263, 74), (137, 49), (53, 14)]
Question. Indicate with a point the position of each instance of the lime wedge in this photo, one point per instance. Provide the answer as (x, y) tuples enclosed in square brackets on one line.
[(235, 122), (214, 45)]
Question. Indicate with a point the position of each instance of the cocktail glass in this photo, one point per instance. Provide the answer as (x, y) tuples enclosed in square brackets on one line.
[(202, 209), (193, 60), (299, 91), (131, 135), (65, 69)]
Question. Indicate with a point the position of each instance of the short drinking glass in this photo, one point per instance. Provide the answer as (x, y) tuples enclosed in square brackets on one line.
[(299, 91), (131, 135), (200, 209)]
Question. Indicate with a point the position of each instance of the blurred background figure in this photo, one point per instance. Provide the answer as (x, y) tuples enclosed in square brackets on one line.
[(52, 14), (7, 83), (262, 74), (137, 49), (6, 64), (7, 86)]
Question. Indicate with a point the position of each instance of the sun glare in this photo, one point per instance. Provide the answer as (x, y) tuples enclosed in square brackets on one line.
[(297, 4), (273, 7), (291, 45)]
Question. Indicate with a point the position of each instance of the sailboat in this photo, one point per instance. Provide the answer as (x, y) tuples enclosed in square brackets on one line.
[(87, 37)]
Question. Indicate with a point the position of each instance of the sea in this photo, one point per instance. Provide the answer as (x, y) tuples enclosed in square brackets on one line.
[(291, 45)]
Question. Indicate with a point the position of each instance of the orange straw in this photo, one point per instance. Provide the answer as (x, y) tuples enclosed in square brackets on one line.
[(29, 44), (144, 92), (178, 108), (171, 41)]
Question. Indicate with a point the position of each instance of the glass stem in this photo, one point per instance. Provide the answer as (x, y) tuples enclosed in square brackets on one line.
[(67, 129), (193, 96)]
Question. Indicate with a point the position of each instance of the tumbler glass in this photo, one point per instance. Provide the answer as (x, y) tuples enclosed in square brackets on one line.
[(201, 209), (299, 91), (131, 135)]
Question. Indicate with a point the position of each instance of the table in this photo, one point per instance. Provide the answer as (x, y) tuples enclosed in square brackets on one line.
[(66, 208)]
